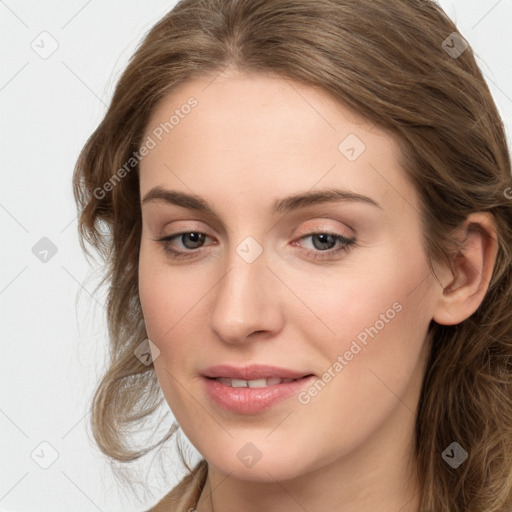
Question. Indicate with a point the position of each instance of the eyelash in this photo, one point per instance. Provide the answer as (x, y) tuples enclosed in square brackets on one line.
[(346, 245)]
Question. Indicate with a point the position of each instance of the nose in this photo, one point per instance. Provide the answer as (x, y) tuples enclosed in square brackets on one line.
[(246, 302)]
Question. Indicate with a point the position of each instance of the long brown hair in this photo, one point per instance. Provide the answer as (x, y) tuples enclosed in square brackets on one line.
[(400, 64)]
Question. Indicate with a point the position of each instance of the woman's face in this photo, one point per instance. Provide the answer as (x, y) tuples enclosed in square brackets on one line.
[(297, 245)]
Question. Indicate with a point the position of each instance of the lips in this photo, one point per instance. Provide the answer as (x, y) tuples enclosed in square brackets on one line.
[(252, 389)]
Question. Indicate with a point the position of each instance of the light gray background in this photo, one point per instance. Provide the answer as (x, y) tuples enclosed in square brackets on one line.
[(53, 349)]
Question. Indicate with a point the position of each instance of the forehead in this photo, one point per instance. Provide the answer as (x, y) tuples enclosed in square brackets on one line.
[(264, 107), (253, 132)]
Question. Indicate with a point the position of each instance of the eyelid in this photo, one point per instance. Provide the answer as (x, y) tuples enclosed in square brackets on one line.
[(325, 227), (322, 225)]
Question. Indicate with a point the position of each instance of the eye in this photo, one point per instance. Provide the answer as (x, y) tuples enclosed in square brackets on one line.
[(190, 242), (326, 245)]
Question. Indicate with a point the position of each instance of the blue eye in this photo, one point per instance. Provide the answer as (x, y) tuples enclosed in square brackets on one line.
[(195, 238), (324, 245), (190, 240)]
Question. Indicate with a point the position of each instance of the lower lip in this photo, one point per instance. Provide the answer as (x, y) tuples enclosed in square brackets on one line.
[(253, 400)]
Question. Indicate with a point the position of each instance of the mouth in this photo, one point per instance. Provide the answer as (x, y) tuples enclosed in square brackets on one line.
[(254, 383), (252, 389)]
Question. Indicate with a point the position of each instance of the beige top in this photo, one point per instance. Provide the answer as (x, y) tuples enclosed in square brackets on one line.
[(185, 495)]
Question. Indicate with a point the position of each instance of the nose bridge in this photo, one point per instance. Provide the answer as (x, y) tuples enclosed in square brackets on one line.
[(244, 301)]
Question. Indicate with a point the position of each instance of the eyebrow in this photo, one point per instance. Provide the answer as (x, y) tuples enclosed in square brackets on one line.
[(287, 204)]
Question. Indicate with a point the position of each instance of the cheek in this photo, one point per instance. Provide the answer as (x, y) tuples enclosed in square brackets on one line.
[(373, 362), (164, 297), (169, 303), (373, 324), (366, 309)]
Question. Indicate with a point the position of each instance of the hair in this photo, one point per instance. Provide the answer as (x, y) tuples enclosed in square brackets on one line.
[(386, 60)]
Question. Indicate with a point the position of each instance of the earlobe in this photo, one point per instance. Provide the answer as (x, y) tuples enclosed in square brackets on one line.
[(473, 267)]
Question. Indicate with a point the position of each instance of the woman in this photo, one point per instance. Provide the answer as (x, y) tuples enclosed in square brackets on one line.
[(304, 207)]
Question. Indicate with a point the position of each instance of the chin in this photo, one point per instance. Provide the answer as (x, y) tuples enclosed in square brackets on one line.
[(273, 463)]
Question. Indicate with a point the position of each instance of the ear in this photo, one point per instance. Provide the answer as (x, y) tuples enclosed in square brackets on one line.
[(473, 266)]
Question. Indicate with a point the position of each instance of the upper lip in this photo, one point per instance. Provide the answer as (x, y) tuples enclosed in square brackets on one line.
[(252, 372)]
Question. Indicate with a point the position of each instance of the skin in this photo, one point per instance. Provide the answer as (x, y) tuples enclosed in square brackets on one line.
[(250, 140)]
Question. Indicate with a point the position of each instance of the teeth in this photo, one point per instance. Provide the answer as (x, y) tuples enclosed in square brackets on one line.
[(239, 383), (260, 383), (256, 383)]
